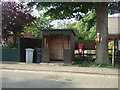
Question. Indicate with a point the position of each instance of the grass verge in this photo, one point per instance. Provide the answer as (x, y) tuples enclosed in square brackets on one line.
[(90, 64)]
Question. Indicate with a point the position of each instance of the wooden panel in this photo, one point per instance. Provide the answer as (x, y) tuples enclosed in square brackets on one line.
[(56, 47), (67, 42), (45, 41)]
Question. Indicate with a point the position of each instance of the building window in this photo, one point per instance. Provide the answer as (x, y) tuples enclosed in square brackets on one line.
[(118, 44)]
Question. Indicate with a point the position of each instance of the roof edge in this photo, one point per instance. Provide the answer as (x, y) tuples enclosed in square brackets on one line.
[(59, 30)]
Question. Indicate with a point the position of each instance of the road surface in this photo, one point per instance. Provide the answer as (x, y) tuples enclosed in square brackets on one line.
[(42, 79)]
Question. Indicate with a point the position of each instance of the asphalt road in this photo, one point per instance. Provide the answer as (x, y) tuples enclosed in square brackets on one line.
[(33, 79)]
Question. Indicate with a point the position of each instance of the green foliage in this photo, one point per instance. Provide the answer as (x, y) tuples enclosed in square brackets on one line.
[(90, 64), (85, 28), (43, 22), (65, 10), (110, 45), (10, 44)]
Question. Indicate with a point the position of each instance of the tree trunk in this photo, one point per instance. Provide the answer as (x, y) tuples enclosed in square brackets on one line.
[(102, 34)]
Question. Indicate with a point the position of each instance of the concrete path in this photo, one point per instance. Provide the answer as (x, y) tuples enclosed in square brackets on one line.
[(58, 67)]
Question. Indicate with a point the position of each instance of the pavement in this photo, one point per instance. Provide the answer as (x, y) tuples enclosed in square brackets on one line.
[(58, 67)]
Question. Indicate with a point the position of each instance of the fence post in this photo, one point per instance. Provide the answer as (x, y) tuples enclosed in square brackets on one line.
[(113, 56), (83, 54)]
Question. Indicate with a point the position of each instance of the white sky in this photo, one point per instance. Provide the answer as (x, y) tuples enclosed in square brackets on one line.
[(114, 15), (35, 12)]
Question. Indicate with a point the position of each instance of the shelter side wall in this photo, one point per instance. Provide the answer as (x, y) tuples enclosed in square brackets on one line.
[(73, 46), (45, 55), (67, 57)]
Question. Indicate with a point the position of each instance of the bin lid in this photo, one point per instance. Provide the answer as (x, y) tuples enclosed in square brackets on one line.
[(29, 49), (38, 49)]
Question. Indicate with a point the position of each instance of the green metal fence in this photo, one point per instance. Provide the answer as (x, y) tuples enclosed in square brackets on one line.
[(9, 54)]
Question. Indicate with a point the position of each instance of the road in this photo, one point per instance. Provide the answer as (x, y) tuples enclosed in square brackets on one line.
[(42, 79)]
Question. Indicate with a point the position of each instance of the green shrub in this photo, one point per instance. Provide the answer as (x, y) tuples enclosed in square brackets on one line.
[(110, 44), (10, 44), (88, 63)]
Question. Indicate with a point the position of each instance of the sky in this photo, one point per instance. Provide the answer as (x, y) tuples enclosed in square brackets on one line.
[(114, 15)]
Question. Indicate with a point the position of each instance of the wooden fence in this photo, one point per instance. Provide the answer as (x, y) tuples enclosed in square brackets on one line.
[(89, 45), (9, 54)]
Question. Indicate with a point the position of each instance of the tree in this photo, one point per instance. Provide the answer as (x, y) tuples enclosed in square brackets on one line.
[(14, 17), (102, 30), (85, 28), (61, 10), (114, 7), (43, 22)]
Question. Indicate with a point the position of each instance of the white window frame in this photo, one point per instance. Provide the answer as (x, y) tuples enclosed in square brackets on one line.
[(118, 44)]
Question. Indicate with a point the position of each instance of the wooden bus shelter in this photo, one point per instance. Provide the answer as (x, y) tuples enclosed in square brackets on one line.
[(58, 45)]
